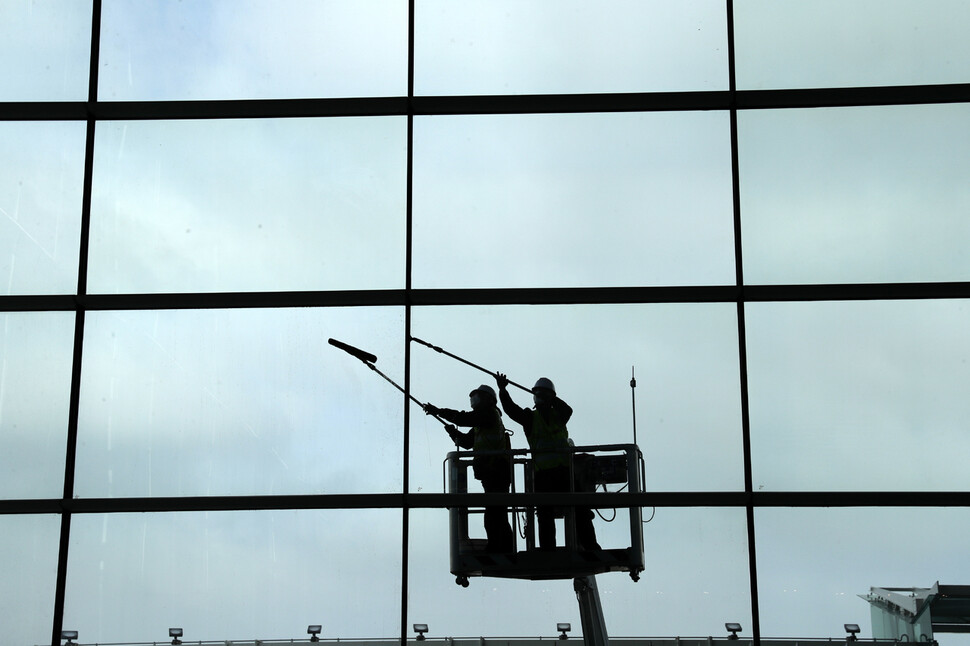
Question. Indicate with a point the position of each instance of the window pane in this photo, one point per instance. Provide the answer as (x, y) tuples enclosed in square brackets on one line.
[(568, 46), (249, 205), (812, 563), (859, 395), (855, 194), (252, 49), (827, 43), (687, 395), (46, 50), (573, 200), (41, 174), (28, 569), (696, 578), (234, 575), (239, 402), (36, 353)]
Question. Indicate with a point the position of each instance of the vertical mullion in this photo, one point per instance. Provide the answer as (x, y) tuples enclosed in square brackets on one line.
[(406, 510), (70, 452), (742, 339)]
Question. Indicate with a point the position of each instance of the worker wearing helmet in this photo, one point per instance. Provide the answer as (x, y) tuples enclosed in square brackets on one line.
[(545, 429), (494, 470)]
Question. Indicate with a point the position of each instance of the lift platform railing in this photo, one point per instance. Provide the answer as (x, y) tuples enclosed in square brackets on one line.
[(591, 467)]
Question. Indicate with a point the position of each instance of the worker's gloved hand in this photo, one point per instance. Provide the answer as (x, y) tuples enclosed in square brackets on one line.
[(431, 410), (501, 380), (452, 431)]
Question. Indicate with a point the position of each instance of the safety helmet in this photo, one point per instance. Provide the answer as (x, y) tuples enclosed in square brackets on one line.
[(544, 383), (485, 390)]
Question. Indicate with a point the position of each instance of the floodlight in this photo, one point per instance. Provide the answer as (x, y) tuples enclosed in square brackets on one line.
[(733, 628), (175, 633), (313, 630), (69, 635), (421, 629), (853, 630), (563, 629)]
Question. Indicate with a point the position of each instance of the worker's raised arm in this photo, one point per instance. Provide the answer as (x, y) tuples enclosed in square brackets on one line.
[(513, 410), (461, 418)]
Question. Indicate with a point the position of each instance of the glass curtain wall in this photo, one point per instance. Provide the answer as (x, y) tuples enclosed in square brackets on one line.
[(756, 209)]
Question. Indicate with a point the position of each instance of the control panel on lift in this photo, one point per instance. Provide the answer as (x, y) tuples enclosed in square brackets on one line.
[(592, 468)]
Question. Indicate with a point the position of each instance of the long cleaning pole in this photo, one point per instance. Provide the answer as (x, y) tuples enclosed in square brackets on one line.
[(466, 362), (368, 360)]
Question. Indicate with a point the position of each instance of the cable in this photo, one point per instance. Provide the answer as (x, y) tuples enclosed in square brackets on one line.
[(604, 518), (605, 490)]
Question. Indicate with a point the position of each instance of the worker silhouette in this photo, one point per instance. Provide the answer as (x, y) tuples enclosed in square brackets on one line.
[(494, 471), (545, 429)]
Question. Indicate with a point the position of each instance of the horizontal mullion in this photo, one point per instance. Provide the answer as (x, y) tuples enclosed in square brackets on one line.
[(216, 300), (856, 292), (853, 96), (496, 296), (483, 104), (228, 109), (575, 295), (563, 103), (602, 500)]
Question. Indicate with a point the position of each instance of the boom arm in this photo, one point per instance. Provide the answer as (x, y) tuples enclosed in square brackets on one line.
[(591, 611)]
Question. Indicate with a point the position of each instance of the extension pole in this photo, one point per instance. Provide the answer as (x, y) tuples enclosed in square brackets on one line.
[(467, 363), (390, 381), (368, 360)]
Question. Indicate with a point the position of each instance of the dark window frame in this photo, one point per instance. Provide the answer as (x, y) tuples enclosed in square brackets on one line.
[(731, 101)]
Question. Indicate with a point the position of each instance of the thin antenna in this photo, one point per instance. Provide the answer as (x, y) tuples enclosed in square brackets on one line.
[(633, 395)]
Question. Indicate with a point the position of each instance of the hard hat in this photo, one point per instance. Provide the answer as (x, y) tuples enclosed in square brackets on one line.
[(485, 390), (544, 383)]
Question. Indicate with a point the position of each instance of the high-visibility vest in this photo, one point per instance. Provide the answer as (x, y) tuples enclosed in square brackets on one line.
[(547, 439), (491, 437)]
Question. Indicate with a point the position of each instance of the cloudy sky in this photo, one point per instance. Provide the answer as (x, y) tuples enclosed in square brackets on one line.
[(843, 396)]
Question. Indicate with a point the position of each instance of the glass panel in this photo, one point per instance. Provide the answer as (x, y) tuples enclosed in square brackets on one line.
[(41, 176), (36, 354), (573, 200), (696, 578), (28, 570), (235, 575), (812, 564), (859, 396), (252, 49), (827, 43), (249, 205), (855, 194), (238, 402), (46, 51), (687, 394), (568, 46)]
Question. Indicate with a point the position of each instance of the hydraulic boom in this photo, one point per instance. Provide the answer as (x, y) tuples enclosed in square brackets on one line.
[(591, 611)]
